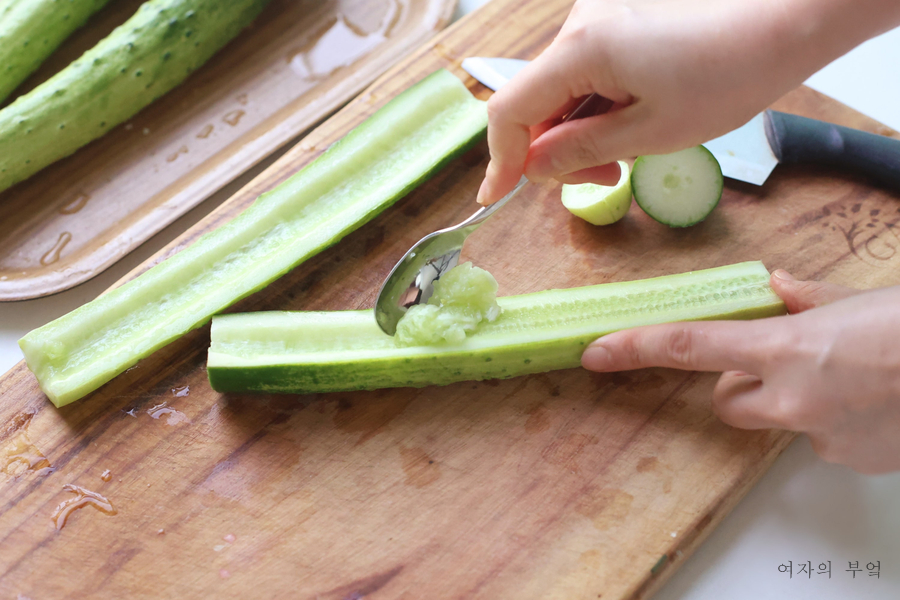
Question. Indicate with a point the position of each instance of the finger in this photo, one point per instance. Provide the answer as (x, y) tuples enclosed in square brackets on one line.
[(586, 143), (695, 346), (608, 174), (556, 118), (533, 96), (742, 401), (592, 109), (799, 296)]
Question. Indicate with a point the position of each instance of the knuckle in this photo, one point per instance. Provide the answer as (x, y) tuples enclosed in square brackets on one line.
[(721, 408), (496, 107), (575, 31), (789, 411), (631, 350), (585, 152), (679, 346), (827, 450)]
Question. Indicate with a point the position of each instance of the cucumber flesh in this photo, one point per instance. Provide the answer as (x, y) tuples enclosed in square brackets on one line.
[(355, 179), (463, 298), (30, 30), (309, 352), (600, 204), (679, 189), (142, 59)]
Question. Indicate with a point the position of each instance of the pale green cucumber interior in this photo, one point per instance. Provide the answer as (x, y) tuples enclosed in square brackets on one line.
[(354, 180), (600, 204), (678, 189), (464, 297), (584, 195), (528, 323)]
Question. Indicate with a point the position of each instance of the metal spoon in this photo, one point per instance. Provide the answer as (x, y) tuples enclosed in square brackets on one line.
[(411, 281)]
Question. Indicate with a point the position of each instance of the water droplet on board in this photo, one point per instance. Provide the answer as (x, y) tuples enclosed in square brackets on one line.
[(174, 156), (242, 99), (106, 475), (230, 538), (181, 392), (205, 132), (234, 117), (83, 497), (73, 206), (224, 573), (173, 417), (53, 253), (19, 456)]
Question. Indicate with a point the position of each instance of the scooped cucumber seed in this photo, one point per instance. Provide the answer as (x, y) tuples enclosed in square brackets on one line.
[(463, 298)]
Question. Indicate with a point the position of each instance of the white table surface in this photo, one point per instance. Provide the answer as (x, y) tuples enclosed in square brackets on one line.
[(802, 510)]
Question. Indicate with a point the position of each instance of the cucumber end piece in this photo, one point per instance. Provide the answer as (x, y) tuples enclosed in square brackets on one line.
[(600, 204)]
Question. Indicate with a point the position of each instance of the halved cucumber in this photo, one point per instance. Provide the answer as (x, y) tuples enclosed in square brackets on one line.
[(374, 165), (678, 189), (600, 204), (307, 352), (142, 59)]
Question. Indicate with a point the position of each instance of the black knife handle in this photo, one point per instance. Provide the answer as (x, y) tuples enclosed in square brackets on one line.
[(796, 139)]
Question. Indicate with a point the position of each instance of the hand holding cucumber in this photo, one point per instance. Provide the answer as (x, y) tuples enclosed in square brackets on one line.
[(680, 71), (830, 371)]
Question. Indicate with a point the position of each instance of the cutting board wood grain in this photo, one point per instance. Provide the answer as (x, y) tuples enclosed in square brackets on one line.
[(560, 485), (298, 62)]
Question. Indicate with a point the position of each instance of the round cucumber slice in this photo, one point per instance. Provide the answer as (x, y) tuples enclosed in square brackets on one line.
[(600, 204), (678, 189)]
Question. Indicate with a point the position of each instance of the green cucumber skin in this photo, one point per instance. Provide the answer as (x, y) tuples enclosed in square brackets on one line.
[(82, 350), (422, 366), (30, 30), (142, 59)]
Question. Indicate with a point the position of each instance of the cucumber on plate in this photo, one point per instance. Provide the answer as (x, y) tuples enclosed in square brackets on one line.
[(679, 189), (142, 59), (30, 30)]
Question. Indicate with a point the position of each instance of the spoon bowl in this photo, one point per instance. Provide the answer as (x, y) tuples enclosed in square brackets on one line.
[(411, 281)]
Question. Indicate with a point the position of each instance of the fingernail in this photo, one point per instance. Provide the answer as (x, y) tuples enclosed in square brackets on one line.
[(596, 358), (783, 275), (540, 168), (481, 198)]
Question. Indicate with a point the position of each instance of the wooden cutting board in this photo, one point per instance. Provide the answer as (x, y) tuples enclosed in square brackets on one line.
[(298, 62), (560, 485)]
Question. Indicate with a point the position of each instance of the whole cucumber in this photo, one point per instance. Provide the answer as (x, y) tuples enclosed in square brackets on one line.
[(142, 59), (30, 30)]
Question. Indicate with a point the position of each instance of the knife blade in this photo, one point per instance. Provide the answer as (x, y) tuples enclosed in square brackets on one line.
[(751, 152)]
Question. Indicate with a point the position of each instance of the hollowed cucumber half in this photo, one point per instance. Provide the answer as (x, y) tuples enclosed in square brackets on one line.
[(600, 204), (308, 352)]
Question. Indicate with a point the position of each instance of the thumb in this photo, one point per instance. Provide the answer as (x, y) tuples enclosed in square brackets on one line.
[(799, 296)]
